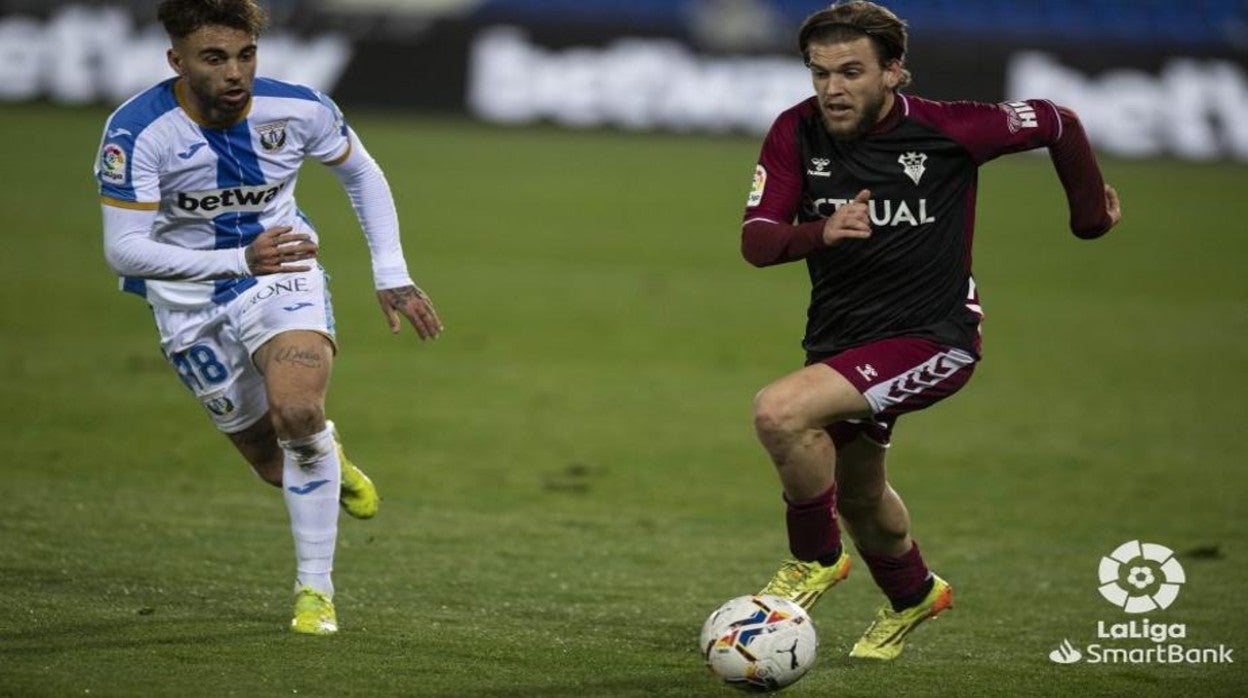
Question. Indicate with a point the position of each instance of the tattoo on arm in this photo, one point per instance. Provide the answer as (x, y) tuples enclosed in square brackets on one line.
[(309, 358), (397, 297)]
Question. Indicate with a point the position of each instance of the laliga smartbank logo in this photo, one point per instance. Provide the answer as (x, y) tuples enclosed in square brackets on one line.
[(1140, 578), (1152, 577)]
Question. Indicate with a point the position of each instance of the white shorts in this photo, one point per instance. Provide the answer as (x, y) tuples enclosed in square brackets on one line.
[(211, 348)]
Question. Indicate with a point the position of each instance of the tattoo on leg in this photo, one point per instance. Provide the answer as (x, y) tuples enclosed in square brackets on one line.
[(308, 358)]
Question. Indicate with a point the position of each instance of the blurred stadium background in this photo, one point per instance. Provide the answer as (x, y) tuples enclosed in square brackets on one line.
[(570, 475), (1150, 77)]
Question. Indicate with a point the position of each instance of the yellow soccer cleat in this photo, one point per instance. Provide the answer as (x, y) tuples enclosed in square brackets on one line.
[(887, 635), (314, 613), (359, 496), (804, 582)]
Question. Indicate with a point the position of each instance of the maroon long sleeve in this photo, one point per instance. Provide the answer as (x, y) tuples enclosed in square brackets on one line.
[(1081, 178), (764, 243)]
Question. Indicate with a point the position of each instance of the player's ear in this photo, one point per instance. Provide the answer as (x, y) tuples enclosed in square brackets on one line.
[(175, 61), (892, 74)]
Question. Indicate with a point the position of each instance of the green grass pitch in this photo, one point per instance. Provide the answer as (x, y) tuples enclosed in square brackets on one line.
[(570, 476)]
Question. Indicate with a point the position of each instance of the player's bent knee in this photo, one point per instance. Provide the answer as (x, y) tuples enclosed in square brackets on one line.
[(775, 417), (297, 418)]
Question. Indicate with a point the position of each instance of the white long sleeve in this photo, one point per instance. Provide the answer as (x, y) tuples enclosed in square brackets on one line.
[(131, 251), (370, 196)]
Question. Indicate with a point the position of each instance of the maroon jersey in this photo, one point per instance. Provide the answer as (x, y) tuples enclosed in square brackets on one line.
[(913, 275)]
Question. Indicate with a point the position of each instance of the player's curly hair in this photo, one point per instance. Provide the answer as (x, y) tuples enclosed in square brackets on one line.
[(182, 18), (848, 21)]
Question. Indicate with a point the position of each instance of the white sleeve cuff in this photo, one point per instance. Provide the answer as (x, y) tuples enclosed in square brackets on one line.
[(391, 277)]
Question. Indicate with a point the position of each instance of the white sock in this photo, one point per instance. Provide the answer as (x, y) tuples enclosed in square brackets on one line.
[(311, 481)]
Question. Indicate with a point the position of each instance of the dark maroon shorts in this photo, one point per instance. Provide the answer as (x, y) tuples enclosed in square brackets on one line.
[(897, 375)]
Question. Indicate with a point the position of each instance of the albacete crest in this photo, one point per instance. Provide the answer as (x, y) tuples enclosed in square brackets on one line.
[(913, 162), (272, 135)]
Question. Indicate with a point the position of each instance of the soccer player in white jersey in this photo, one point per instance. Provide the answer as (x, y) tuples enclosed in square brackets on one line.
[(197, 178)]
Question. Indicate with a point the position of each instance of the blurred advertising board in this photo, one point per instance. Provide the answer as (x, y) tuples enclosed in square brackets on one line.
[(459, 56), (80, 54)]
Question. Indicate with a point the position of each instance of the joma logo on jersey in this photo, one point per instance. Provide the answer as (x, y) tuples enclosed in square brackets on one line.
[(239, 199), (883, 211)]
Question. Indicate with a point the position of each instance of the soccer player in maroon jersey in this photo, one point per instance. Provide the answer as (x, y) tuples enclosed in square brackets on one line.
[(875, 190)]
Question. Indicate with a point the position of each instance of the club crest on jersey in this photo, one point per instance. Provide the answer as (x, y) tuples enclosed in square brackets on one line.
[(113, 164), (820, 165), (913, 164), (272, 135)]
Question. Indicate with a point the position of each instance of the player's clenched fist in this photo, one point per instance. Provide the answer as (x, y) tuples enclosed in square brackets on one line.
[(1112, 206), (852, 220), (279, 250)]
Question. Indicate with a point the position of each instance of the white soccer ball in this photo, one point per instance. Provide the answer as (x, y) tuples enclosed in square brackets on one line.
[(759, 643)]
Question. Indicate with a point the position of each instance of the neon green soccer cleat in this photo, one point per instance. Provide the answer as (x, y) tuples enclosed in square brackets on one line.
[(314, 613), (804, 582), (359, 496), (887, 635)]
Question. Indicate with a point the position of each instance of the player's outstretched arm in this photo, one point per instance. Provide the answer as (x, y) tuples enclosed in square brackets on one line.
[(373, 202), (1094, 205), (412, 303)]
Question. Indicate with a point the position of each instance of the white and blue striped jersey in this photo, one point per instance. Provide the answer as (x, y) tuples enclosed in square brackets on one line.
[(215, 188)]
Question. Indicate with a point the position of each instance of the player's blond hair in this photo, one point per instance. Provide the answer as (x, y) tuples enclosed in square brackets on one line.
[(849, 21), (182, 18)]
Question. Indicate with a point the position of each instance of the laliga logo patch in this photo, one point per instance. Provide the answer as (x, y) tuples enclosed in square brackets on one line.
[(1141, 577), (272, 135), (756, 189), (113, 163)]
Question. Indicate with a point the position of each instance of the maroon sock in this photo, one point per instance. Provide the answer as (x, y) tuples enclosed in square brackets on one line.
[(813, 531), (903, 578)]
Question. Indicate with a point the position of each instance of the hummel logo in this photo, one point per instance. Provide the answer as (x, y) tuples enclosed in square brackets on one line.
[(820, 164), (308, 488), (118, 133), (186, 154), (867, 371), (296, 306)]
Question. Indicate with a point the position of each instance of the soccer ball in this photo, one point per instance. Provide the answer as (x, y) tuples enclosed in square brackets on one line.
[(759, 643)]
